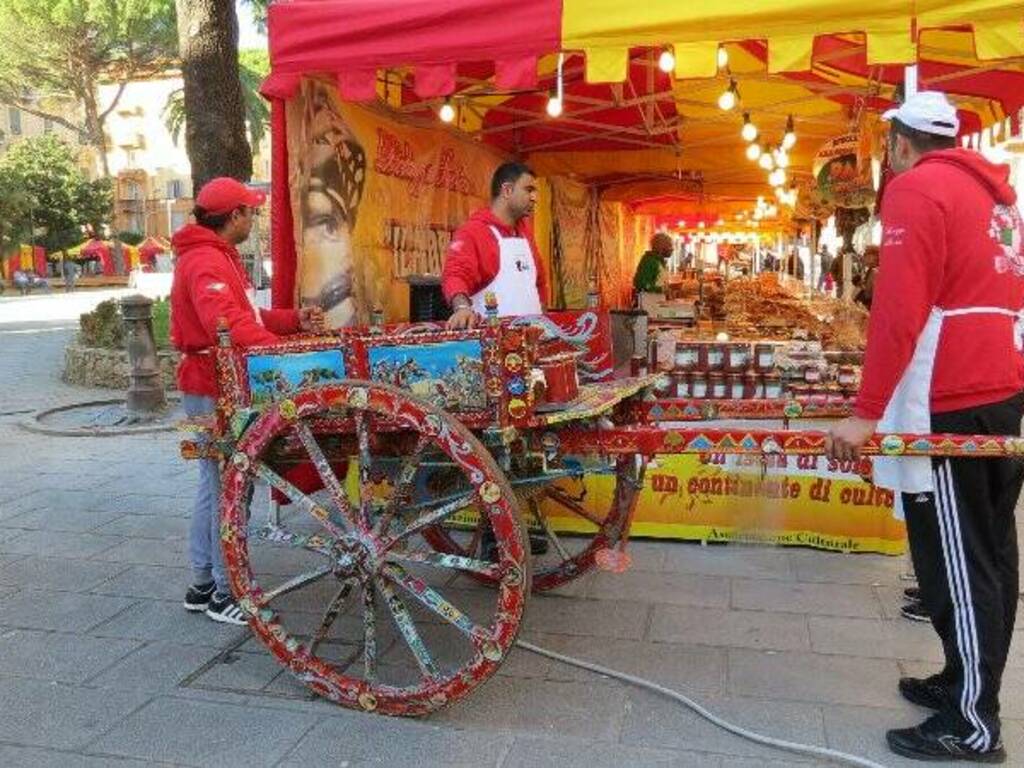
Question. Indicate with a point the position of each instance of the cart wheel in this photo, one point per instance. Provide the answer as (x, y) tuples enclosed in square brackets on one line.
[(352, 601), (594, 540)]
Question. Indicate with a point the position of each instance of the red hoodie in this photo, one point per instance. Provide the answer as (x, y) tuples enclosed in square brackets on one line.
[(952, 238), (472, 259), (210, 283)]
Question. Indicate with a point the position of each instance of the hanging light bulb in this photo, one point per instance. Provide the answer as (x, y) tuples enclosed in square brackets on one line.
[(729, 97), (749, 130), (779, 193), (781, 158), (789, 138), (777, 177), (765, 160), (753, 151), (554, 106), (723, 57), (667, 61), (446, 112)]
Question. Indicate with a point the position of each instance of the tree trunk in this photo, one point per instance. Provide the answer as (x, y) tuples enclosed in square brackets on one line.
[(214, 108), (94, 130)]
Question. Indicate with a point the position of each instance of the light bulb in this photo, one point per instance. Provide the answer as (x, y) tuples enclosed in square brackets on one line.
[(729, 97), (753, 151), (766, 161), (749, 130), (667, 61), (789, 138), (447, 112), (681, 224), (777, 177), (779, 192), (723, 57), (554, 106), (781, 158)]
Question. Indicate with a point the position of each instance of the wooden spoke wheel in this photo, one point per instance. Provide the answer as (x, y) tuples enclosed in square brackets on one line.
[(593, 538), (350, 598)]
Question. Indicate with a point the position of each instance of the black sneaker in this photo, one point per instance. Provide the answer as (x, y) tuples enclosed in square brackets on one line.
[(927, 692), (912, 594), (224, 609), (198, 597), (915, 611), (933, 740)]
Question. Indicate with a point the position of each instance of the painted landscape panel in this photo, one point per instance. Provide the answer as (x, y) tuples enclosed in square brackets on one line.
[(449, 374), (272, 377)]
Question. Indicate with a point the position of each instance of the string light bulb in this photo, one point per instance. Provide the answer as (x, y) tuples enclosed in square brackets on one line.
[(765, 160), (789, 138), (777, 177), (749, 130), (781, 158), (554, 107), (447, 112), (729, 97), (753, 151), (723, 57), (667, 61)]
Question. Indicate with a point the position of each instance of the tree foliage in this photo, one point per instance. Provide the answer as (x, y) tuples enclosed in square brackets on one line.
[(215, 131), (253, 68), (55, 52), (56, 198)]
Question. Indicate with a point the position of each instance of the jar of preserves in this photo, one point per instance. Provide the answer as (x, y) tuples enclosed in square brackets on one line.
[(753, 386), (764, 357), (772, 386), (687, 356), (698, 385), (846, 376), (735, 385), (737, 357), (812, 374), (713, 356), (680, 385), (717, 386), (638, 365)]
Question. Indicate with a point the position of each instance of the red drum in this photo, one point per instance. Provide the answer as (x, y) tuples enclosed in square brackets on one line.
[(560, 377)]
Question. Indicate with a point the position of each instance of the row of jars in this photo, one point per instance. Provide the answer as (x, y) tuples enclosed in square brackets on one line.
[(715, 385), (725, 356)]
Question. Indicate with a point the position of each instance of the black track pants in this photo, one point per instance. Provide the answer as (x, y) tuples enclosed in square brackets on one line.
[(963, 541)]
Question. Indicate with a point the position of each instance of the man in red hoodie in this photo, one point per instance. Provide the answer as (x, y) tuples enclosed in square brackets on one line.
[(210, 284), (495, 252), (944, 355)]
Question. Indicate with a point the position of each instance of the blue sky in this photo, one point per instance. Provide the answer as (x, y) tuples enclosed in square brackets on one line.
[(248, 35)]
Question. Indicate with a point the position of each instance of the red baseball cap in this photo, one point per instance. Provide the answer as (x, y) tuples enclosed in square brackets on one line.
[(224, 194)]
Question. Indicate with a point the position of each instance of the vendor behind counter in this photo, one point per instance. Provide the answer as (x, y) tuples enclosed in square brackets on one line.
[(650, 272)]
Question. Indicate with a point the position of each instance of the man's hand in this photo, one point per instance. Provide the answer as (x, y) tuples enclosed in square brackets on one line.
[(463, 318), (311, 319), (846, 438)]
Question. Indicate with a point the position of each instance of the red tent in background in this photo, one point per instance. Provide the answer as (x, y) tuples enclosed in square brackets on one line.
[(99, 249), (39, 260), (149, 249)]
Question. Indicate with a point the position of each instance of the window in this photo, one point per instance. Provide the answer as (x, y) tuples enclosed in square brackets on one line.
[(174, 189), (14, 117)]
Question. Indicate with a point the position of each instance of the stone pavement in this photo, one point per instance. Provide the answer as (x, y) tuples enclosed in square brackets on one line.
[(100, 666)]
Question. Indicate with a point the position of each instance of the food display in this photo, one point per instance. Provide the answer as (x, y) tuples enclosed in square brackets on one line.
[(755, 338)]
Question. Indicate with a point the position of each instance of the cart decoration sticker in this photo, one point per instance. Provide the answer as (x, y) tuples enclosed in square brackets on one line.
[(892, 445), (448, 374), (272, 377), (589, 332)]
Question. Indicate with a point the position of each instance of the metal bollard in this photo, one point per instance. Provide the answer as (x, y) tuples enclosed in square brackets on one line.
[(145, 397)]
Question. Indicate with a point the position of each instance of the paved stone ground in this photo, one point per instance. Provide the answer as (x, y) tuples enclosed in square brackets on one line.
[(99, 665)]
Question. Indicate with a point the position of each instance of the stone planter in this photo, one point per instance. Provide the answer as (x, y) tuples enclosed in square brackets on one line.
[(97, 367)]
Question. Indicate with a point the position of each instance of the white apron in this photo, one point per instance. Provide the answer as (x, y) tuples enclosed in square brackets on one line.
[(909, 408), (515, 285)]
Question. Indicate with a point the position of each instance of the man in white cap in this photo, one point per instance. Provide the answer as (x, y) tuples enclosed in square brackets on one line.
[(944, 355)]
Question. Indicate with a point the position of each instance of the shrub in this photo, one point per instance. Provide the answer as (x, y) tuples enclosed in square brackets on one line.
[(103, 327)]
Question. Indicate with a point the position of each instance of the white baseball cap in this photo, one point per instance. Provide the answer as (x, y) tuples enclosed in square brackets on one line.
[(929, 112)]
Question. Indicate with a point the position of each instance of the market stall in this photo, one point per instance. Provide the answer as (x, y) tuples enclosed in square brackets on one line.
[(386, 128)]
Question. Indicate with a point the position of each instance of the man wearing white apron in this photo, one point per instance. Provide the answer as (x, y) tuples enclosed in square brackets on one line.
[(944, 355), (494, 252)]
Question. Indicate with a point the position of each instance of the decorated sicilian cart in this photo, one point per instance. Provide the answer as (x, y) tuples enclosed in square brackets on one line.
[(414, 461)]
